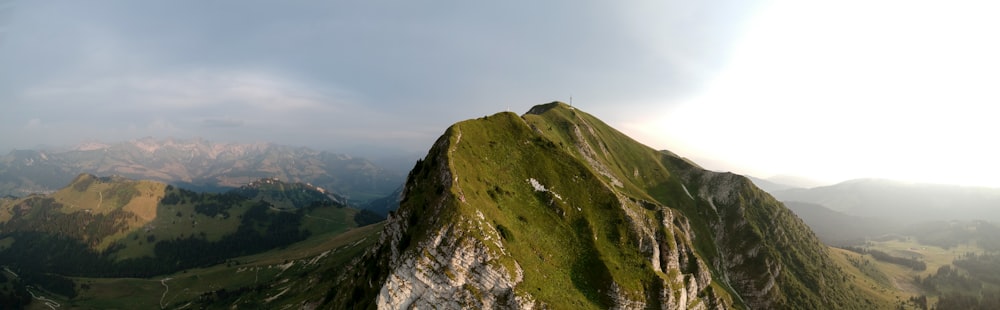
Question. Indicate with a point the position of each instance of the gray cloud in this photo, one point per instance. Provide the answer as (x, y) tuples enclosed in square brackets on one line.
[(326, 74), (222, 123)]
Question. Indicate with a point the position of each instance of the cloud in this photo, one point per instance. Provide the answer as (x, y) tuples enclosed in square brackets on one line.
[(222, 123), (161, 125), (33, 123), (311, 72)]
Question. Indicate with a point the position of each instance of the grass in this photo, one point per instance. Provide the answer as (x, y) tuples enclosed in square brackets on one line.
[(871, 284), (934, 256), (892, 283), (149, 220), (603, 192), (263, 269), (558, 241)]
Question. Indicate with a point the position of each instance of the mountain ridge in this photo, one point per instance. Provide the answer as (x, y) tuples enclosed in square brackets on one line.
[(621, 225), (903, 202)]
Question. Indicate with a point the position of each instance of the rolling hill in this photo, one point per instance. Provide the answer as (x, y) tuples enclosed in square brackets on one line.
[(109, 227), (839, 229)]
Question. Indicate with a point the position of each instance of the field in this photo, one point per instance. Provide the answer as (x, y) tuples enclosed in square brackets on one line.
[(895, 282), (271, 272)]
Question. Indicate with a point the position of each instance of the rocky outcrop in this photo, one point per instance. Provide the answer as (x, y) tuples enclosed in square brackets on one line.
[(667, 243), (456, 266), (452, 271)]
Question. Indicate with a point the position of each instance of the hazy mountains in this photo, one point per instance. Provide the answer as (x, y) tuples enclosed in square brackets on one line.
[(197, 164), (769, 185), (901, 202), (848, 212)]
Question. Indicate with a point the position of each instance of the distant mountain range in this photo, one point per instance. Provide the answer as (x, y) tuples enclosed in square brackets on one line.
[(837, 228), (901, 202), (197, 165), (848, 212), (795, 181), (770, 186)]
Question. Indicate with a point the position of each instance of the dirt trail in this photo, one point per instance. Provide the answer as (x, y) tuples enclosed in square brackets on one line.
[(904, 284), (48, 302), (165, 290)]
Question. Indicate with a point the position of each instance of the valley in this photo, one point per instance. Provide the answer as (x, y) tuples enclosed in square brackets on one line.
[(296, 275), (927, 246), (111, 242)]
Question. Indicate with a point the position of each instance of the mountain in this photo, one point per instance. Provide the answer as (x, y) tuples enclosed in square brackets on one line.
[(837, 228), (769, 186), (287, 196), (902, 202), (555, 209), (198, 165), (384, 205), (795, 181), (118, 227)]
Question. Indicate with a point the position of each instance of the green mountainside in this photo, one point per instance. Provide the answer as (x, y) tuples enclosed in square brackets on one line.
[(556, 209), (117, 227)]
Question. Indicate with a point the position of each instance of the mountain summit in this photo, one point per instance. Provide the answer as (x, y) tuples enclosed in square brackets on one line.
[(556, 209)]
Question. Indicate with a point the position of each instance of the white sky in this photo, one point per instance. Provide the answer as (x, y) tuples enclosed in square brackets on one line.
[(833, 90)]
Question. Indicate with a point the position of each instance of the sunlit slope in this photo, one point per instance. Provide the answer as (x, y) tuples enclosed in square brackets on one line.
[(113, 226), (556, 208), (300, 275)]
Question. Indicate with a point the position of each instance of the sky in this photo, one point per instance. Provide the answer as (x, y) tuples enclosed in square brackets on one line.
[(829, 90)]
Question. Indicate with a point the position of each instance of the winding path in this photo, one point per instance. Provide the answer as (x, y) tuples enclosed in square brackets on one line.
[(165, 290), (48, 302), (320, 218)]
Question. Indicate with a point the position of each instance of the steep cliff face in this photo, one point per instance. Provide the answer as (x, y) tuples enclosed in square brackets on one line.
[(555, 209)]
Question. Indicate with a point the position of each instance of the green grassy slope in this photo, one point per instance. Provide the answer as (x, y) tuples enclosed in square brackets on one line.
[(753, 221), (581, 209), (113, 227), (299, 275)]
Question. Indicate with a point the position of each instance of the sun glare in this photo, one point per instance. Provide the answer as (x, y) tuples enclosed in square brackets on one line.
[(847, 89)]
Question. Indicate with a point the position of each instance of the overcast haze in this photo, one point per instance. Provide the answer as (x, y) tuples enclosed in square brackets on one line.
[(834, 91)]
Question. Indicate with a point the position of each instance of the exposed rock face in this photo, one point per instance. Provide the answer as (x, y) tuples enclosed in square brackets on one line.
[(554, 209), (454, 272), (667, 243), (755, 288), (453, 269)]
